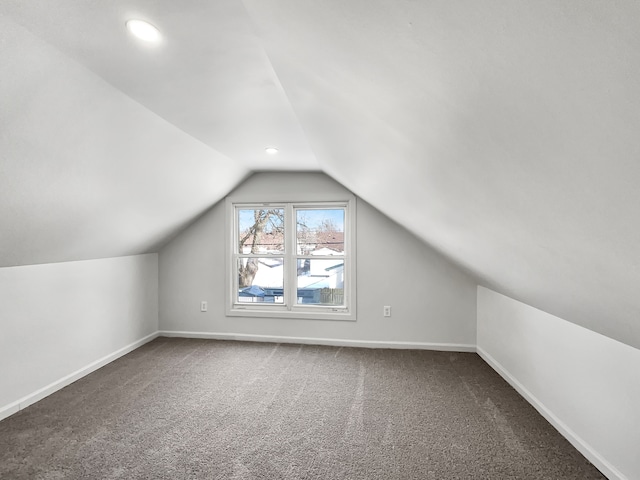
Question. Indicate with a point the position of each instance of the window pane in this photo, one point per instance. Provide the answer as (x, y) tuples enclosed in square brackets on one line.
[(261, 230), (260, 280), (320, 281), (320, 231)]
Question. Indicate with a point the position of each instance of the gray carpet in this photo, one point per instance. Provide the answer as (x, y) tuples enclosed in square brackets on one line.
[(203, 409)]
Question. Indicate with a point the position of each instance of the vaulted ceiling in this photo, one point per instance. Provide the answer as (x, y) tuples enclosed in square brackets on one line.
[(503, 133)]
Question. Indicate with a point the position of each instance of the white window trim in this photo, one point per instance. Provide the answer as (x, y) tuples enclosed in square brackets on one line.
[(292, 310)]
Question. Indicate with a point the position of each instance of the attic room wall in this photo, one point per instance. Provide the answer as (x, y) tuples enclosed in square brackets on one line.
[(434, 304), (60, 321), (85, 173), (587, 385)]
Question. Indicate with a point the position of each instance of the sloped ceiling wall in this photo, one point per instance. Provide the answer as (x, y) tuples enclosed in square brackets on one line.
[(86, 172), (502, 133)]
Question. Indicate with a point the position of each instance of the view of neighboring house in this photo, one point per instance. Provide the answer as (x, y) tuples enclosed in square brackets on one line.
[(319, 280)]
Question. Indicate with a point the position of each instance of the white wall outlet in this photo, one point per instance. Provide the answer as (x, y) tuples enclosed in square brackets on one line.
[(203, 306), (386, 311)]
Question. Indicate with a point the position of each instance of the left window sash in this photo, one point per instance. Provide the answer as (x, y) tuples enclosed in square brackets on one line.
[(259, 255)]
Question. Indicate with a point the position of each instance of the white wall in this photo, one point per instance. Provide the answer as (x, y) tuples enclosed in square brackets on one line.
[(60, 321), (433, 302), (587, 385)]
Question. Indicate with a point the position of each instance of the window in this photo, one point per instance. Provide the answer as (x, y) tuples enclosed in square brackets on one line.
[(291, 260)]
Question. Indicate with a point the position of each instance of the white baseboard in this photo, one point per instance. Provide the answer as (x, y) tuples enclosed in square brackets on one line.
[(584, 448), (43, 392), (336, 342), (9, 410)]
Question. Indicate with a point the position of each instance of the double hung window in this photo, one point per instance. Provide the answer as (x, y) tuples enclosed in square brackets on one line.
[(292, 260)]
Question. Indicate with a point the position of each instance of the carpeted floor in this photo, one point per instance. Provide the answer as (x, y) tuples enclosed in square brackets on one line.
[(204, 409)]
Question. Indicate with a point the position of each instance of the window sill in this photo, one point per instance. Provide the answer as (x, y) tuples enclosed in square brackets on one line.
[(294, 314)]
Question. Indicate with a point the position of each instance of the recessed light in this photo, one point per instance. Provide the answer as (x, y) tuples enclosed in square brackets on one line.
[(143, 30), (271, 150)]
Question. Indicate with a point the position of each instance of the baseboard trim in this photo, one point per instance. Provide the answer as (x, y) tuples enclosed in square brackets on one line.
[(43, 392), (336, 342), (583, 447), (9, 410)]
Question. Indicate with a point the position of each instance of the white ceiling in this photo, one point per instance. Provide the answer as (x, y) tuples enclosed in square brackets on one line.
[(504, 133)]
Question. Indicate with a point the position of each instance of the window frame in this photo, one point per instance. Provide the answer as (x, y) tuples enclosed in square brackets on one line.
[(290, 308)]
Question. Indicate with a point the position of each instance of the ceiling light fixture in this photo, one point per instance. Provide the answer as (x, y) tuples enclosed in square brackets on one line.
[(143, 30), (271, 150)]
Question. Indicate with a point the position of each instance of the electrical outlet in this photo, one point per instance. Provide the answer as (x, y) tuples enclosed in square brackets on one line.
[(203, 306), (386, 311)]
